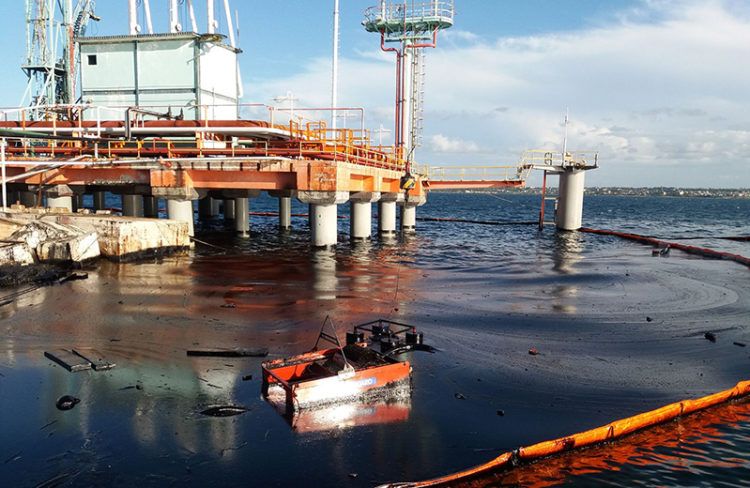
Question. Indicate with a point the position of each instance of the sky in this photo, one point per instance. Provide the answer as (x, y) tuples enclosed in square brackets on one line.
[(658, 87)]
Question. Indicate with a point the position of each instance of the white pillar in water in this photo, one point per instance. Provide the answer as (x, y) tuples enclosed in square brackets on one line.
[(408, 218), (324, 224), (242, 216), (285, 212), (361, 219), (387, 217), (132, 205), (182, 210), (569, 214), (228, 209)]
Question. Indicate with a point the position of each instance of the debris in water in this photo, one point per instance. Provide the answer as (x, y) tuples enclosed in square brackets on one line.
[(247, 377), (229, 305), (459, 396), (259, 352), (741, 344), (68, 360), (353, 475), (501, 413), (224, 411), (95, 358), (710, 336), (533, 351), (649, 319), (66, 402), (73, 277)]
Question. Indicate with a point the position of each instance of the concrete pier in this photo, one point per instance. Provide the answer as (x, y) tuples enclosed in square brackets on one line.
[(150, 207), (205, 208), (408, 218), (228, 209), (215, 206), (182, 211), (360, 223), (242, 216), (285, 212), (323, 215), (28, 199), (569, 214), (387, 215), (100, 202), (132, 205), (61, 202)]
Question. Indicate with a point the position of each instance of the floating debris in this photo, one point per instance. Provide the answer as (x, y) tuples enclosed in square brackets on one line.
[(500, 413), (710, 336), (224, 411), (741, 344), (459, 396), (73, 277), (229, 305), (259, 352), (533, 351), (95, 358), (68, 360), (247, 377), (649, 319), (67, 402)]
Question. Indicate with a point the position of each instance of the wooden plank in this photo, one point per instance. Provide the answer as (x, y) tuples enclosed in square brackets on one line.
[(97, 360), (68, 360)]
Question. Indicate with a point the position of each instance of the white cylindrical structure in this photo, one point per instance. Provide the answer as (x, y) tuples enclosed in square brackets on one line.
[(242, 216), (133, 18), (191, 14), (386, 217), (147, 12), (408, 218), (230, 24), (285, 212), (100, 202), (335, 64), (569, 214), (324, 224), (182, 210), (132, 205), (211, 16), (150, 207), (60, 202), (228, 209), (174, 17), (360, 223)]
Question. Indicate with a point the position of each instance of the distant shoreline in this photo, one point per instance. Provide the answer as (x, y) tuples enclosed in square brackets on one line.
[(729, 193)]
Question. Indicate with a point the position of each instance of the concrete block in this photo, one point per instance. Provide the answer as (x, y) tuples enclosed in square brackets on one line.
[(16, 254)]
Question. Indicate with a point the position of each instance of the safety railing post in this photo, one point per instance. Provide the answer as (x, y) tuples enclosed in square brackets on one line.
[(3, 143)]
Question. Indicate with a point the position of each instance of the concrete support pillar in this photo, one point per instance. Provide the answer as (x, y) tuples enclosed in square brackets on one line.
[(60, 196), (387, 217), (151, 207), (28, 199), (285, 212), (215, 206), (205, 208), (360, 223), (569, 214), (65, 202), (242, 216), (182, 210), (100, 202), (228, 209), (323, 215), (324, 224), (132, 205), (408, 218)]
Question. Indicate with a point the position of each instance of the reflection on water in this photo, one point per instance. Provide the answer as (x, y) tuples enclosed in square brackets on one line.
[(140, 423)]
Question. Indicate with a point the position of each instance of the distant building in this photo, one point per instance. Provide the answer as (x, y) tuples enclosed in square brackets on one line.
[(182, 72)]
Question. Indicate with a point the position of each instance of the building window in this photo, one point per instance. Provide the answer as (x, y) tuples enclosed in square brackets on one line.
[(92, 59)]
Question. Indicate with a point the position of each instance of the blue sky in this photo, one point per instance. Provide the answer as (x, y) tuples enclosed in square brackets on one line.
[(658, 87)]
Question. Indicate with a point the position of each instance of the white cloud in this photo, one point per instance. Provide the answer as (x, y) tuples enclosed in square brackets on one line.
[(443, 144), (661, 86)]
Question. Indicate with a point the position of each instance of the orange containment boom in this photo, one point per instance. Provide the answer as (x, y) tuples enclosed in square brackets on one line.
[(701, 251), (605, 433)]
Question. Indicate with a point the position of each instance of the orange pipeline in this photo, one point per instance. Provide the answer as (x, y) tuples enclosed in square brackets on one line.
[(614, 430), (701, 251)]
